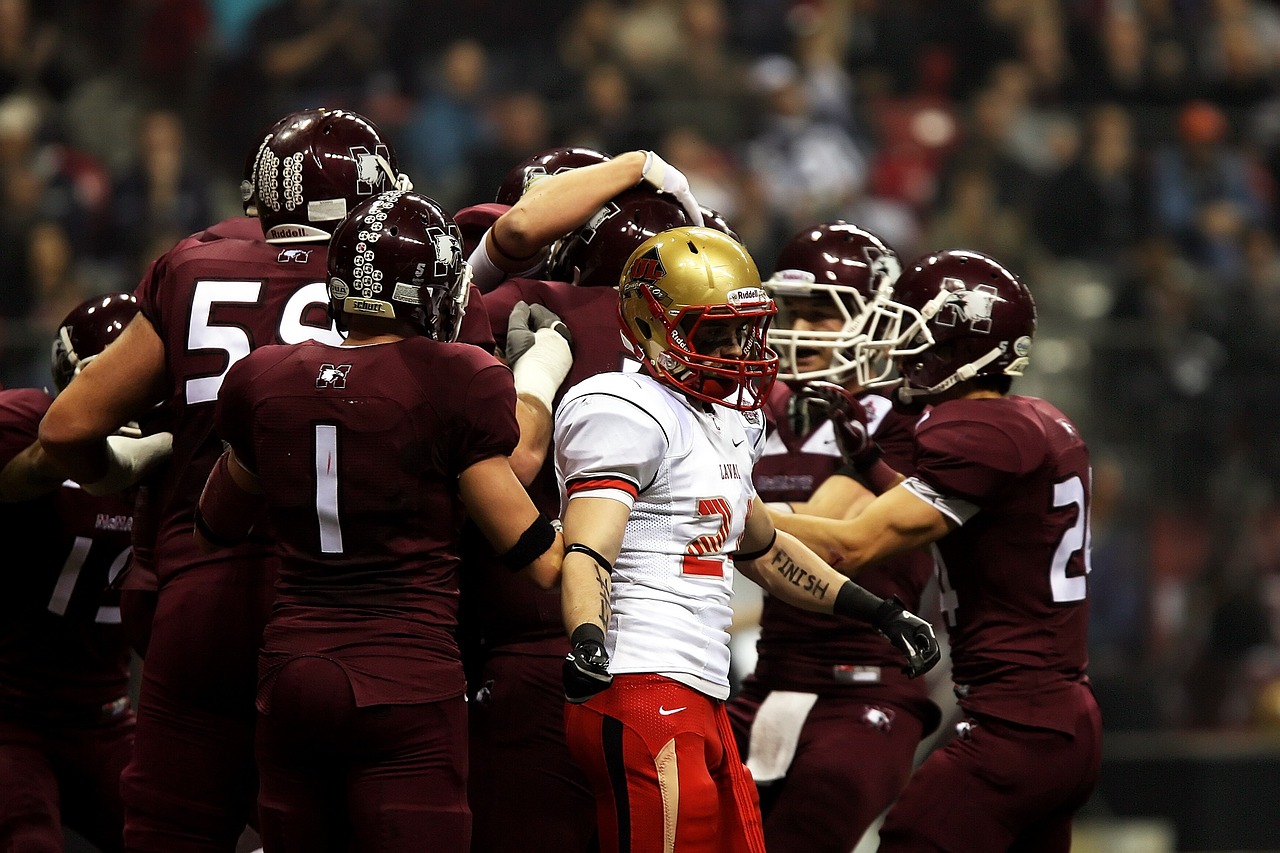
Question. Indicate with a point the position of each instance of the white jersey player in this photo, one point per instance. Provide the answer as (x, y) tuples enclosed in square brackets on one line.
[(659, 510)]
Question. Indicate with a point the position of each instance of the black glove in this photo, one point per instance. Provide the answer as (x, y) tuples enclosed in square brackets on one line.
[(909, 634), (523, 325), (586, 667), (858, 450)]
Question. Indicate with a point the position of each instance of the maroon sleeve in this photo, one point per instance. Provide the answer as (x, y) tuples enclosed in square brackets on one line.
[(490, 407), (231, 413), (475, 323), (972, 458), (499, 302), (148, 291), (20, 412)]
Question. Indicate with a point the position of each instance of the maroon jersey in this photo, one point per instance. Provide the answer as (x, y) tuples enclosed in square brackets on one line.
[(816, 652), (63, 656), (212, 302), (235, 228), (359, 450), (1013, 577), (509, 607)]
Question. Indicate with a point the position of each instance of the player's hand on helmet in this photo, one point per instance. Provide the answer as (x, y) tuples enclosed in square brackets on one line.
[(586, 667), (538, 351), (910, 635), (129, 460), (849, 417), (663, 176)]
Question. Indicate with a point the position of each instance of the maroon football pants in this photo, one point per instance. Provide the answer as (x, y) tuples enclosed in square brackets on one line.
[(337, 777), (999, 786), (853, 758), (527, 792), (192, 785), (51, 776)]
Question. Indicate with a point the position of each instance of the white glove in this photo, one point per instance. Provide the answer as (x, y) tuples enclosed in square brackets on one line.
[(129, 460), (669, 179), (542, 367)]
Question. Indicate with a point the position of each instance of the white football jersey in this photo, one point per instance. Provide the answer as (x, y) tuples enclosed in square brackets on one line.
[(684, 469)]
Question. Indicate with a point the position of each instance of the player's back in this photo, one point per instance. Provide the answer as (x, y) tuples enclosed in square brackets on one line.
[(359, 450), (61, 645), (1013, 578), (211, 303)]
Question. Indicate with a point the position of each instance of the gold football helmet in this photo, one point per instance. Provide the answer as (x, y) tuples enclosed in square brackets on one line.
[(694, 313)]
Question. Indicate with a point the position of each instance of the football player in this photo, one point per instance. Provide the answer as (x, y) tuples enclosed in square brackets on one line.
[(827, 722), (362, 733), (1001, 488), (655, 472), (206, 304), (527, 793), (66, 726)]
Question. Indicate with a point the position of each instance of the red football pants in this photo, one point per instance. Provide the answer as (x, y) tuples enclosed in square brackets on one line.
[(662, 762)]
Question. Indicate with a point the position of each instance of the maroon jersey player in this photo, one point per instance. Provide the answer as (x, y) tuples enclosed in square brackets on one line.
[(206, 304), (363, 458), (829, 688), (527, 793), (66, 728), (1001, 488)]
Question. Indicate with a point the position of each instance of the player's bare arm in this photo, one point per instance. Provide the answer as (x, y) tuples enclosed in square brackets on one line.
[(597, 526), (121, 384), (29, 475), (523, 537), (895, 522), (786, 568)]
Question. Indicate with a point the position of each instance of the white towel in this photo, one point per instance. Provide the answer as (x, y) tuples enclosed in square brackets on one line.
[(776, 733)]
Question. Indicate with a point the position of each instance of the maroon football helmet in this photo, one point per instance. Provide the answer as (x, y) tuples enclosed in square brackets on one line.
[(551, 162), (399, 255), (955, 315), (834, 270), (314, 168), (594, 254), (87, 330), (715, 220)]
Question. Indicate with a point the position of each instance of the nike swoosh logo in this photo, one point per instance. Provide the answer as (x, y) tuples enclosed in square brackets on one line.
[(738, 443), (664, 712)]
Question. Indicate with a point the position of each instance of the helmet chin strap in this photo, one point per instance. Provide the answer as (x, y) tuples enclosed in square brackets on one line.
[(965, 373)]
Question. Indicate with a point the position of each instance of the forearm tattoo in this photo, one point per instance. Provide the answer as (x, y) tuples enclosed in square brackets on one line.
[(605, 582), (799, 577)]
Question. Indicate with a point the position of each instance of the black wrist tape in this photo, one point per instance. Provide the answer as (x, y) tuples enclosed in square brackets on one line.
[(853, 600), (211, 535), (747, 556), (587, 632), (532, 544), (579, 548)]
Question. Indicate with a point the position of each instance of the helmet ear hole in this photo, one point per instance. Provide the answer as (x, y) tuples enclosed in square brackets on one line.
[(644, 328)]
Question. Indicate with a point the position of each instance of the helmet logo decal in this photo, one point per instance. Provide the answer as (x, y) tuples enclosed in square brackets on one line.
[(747, 296), (332, 375), (587, 232), (973, 307), (296, 256), (647, 268), (370, 175), (448, 246), (367, 280), (885, 266)]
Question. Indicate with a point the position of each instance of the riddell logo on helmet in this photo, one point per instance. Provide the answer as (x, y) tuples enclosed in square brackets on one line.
[(747, 296)]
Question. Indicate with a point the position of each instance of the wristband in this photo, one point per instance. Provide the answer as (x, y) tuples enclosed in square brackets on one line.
[(537, 538)]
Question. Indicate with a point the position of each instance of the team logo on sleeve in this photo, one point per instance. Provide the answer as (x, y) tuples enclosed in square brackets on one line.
[(294, 256), (333, 375)]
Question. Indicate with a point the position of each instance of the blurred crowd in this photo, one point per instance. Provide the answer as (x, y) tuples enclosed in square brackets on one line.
[(1122, 156)]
